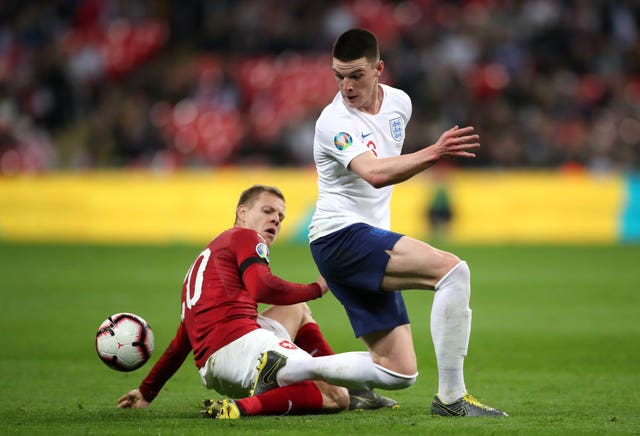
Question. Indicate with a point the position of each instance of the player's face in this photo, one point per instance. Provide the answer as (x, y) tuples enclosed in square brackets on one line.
[(265, 216), (358, 82)]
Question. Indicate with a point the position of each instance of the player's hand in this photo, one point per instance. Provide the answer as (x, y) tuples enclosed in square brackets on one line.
[(456, 142), (323, 285), (132, 400)]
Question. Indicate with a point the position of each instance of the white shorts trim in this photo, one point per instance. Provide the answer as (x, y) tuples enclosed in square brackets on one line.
[(274, 326)]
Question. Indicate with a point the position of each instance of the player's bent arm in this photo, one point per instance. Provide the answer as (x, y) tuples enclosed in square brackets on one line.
[(170, 361), (270, 289), (382, 172), (389, 170)]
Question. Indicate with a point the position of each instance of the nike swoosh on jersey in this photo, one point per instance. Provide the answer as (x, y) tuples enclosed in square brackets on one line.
[(365, 135)]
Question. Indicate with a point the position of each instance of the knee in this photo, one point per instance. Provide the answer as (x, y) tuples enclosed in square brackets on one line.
[(394, 380), (403, 381), (450, 261), (463, 270), (301, 312), (305, 314), (457, 271)]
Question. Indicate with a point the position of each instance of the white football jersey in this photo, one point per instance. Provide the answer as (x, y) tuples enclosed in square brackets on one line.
[(341, 134)]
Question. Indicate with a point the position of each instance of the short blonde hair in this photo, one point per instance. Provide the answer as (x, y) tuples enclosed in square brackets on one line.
[(250, 195)]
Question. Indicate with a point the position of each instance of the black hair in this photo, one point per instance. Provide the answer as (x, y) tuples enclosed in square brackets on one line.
[(355, 44)]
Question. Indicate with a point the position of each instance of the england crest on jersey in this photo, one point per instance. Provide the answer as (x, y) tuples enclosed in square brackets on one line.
[(397, 129)]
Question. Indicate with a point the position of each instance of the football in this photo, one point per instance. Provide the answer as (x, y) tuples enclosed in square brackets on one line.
[(124, 341)]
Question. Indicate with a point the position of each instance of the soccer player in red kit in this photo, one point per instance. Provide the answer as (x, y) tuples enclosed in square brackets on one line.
[(221, 324)]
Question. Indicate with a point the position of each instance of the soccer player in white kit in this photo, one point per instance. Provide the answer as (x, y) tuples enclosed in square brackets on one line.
[(357, 151)]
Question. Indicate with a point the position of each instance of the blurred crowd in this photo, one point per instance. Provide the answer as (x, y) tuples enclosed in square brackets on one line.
[(160, 84)]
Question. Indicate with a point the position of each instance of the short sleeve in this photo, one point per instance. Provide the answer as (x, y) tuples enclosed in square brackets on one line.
[(340, 141)]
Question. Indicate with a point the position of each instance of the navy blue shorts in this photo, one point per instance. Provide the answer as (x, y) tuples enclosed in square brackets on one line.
[(353, 261)]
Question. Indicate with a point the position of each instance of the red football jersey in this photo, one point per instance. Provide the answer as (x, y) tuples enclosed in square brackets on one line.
[(220, 297)]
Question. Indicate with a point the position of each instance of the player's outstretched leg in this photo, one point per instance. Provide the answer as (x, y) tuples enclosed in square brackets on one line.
[(465, 406), (370, 400), (270, 363), (221, 409)]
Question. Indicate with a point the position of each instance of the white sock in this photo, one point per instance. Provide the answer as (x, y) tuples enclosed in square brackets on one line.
[(353, 370), (450, 330)]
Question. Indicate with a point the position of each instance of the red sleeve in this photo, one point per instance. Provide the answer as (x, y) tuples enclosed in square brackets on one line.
[(252, 256), (167, 365), (267, 288)]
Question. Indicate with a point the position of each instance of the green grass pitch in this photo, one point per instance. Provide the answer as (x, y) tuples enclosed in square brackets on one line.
[(555, 343)]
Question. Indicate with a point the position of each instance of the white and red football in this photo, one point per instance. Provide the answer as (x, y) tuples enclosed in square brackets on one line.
[(124, 341)]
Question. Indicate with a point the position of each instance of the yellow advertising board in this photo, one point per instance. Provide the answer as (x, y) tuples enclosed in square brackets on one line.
[(193, 206)]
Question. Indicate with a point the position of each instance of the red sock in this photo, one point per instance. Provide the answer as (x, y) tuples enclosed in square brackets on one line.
[(311, 340), (302, 397)]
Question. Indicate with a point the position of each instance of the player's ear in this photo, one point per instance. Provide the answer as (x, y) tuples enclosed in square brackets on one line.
[(379, 67), (241, 212)]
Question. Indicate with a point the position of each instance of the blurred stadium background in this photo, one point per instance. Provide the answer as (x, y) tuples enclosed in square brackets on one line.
[(128, 128), (158, 113)]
